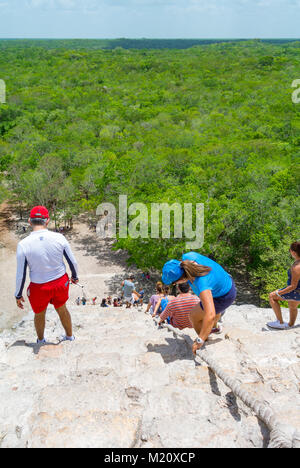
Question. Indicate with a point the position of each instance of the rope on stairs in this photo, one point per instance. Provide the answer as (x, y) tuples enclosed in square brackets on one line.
[(281, 435)]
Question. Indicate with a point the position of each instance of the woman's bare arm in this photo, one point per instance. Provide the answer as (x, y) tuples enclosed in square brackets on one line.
[(156, 307)]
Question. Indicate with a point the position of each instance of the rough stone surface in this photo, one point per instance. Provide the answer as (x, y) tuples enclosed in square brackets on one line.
[(125, 383)]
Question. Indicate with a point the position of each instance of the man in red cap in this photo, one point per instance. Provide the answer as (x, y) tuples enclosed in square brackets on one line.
[(43, 251)]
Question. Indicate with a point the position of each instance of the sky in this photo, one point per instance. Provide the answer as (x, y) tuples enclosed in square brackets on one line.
[(150, 19)]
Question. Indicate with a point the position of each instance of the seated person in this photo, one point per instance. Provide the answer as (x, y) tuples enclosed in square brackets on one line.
[(135, 299), (154, 299), (109, 300), (141, 293), (178, 309), (103, 303), (163, 301)]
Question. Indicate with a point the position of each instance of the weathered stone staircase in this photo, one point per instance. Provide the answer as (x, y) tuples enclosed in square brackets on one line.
[(125, 383)]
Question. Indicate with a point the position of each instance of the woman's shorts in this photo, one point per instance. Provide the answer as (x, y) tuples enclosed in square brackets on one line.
[(223, 302), (291, 296)]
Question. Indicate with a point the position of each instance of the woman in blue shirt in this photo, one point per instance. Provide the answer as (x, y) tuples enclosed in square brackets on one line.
[(210, 282)]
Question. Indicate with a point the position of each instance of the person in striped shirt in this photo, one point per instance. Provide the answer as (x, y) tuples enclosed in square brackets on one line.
[(178, 309)]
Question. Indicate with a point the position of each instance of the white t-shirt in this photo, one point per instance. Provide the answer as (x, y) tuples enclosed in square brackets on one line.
[(43, 252)]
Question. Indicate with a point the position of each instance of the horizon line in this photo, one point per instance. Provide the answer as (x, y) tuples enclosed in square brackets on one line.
[(152, 38)]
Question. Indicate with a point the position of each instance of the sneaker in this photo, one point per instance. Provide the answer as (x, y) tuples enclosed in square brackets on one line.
[(217, 330), (40, 342), (278, 326), (67, 338)]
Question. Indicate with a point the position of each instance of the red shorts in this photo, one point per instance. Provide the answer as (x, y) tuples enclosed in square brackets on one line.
[(55, 292)]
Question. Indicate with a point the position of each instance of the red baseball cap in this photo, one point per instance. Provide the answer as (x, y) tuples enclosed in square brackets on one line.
[(39, 212)]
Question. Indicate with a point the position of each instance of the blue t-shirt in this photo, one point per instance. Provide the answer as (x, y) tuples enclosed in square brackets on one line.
[(163, 303), (217, 280)]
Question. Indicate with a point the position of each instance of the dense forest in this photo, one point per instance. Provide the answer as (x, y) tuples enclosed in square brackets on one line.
[(213, 124), (125, 43)]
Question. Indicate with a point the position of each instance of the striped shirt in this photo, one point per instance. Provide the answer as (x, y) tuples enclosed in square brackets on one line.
[(179, 310)]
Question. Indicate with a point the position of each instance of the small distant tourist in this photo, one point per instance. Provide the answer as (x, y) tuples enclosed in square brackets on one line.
[(104, 227), (103, 303), (94, 300), (109, 300), (135, 299), (83, 301), (44, 252), (154, 298), (129, 289), (163, 301), (290, 293), (211, 283), (177, 311), (141, 293), (78, 301)]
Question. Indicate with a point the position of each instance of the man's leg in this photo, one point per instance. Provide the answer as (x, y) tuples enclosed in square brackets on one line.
[(293, 306), (65, 319), (274, 303), (39, 323)]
